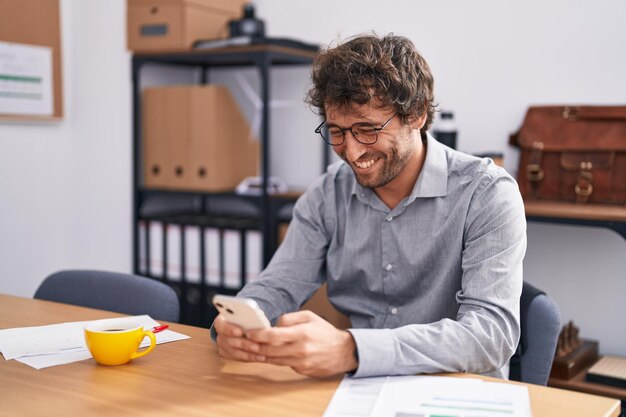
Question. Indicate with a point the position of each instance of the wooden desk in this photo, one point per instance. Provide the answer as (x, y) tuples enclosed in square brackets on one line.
[(187, 378), (612, 217)]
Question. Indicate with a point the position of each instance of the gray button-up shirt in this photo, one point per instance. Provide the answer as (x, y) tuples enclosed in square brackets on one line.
[(430, 286)]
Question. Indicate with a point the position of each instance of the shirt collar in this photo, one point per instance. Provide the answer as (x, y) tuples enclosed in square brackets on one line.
[(433, 179)]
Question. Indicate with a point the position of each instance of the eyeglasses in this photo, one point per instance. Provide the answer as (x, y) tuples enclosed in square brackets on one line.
[(365, 133)]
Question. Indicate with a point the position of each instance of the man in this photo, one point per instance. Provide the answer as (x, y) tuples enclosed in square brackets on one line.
[(420, 245)]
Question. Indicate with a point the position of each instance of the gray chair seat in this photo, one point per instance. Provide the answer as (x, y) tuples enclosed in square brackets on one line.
[(121, 293)]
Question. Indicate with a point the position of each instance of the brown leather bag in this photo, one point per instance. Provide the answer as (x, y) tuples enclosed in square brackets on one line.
[(573, 153)]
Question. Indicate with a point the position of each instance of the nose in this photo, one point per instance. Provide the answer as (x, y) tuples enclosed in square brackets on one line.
[(354, 148)]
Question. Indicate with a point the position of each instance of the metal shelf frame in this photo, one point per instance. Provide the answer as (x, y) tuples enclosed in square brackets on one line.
[(261, 57)]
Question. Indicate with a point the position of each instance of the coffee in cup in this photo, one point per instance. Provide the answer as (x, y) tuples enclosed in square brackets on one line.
[(116, 341)]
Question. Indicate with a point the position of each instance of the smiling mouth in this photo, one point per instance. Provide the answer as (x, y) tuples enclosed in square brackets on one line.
[(365, 164)]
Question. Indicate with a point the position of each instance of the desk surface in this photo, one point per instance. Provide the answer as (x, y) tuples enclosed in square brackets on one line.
[(556, 209), (188, 378)]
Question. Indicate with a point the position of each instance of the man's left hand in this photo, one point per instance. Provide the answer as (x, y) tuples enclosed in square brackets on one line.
[(308, 344)]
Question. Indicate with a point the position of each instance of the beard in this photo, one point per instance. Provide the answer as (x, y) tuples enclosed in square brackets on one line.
[(392, 164)]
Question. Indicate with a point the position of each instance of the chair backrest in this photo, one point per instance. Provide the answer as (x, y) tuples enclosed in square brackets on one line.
[(122, 293), (540, 323)]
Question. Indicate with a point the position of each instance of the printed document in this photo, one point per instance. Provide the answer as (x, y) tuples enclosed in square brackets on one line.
[(428, 396)]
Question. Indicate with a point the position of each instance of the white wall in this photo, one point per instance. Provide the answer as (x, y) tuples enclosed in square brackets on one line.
[(65, 193), (491, 59), (65, 187)]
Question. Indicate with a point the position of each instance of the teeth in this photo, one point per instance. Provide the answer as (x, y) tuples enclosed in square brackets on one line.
[(365, 164)]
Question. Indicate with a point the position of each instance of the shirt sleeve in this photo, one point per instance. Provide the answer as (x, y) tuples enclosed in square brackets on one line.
[(297, 268), (486, 330)]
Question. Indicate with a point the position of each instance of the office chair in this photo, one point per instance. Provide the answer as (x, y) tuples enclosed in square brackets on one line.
[(540, 323), (122, 293)]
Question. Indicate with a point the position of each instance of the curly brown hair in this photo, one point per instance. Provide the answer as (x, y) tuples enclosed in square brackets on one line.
[(388, 68)]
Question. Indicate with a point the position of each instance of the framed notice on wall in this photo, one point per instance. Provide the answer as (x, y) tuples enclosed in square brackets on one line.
[(30, 60), (26, 80)]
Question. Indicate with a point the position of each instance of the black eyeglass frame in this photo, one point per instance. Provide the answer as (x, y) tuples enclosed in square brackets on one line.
[(355, 136)]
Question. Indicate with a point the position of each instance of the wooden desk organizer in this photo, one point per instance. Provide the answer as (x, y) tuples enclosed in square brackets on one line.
[(568, 365)]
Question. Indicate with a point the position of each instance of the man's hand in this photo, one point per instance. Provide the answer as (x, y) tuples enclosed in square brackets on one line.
[(305, 342), (301, 340), (232, 344)]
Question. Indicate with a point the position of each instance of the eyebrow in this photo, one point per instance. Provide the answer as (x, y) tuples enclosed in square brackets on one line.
[(370, 121)]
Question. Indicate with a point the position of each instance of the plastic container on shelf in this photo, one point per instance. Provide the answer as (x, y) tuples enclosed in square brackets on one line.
[(445, 130)]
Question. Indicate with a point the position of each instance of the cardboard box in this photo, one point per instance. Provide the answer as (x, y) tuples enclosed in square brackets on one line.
[(196, 138), (174, 25)]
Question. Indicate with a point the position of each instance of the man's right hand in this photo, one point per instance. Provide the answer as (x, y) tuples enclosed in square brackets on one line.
[(232, 343)]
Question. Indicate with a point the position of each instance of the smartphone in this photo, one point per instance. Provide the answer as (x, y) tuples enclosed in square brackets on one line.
[(243, 312)]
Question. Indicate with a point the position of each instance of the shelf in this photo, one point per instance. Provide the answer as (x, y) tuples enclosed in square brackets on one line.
[(231, 56), (578, 383), (289, 196), (163, 217), (609, 216), (262, 57)]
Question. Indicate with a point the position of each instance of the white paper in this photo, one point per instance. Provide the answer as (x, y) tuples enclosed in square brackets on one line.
[(25, 79), (355, 397), (46, 361), (58, 344), (423, 396)]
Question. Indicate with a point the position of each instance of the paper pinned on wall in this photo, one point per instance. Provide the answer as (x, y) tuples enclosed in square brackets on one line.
[(26, 79)]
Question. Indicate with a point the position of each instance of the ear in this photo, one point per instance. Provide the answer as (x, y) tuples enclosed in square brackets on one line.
[(417, 122)]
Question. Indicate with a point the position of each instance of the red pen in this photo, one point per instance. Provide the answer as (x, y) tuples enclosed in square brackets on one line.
[(157, 329)]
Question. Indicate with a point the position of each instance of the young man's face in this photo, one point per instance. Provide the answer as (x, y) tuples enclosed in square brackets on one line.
[(378, 164)]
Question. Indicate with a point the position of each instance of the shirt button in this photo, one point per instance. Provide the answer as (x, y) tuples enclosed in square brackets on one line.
[(394, 311), (389, 218), (388, 267)]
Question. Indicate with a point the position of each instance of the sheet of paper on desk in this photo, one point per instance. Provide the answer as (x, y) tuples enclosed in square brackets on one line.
[(355, 397), (424, 396), (58, 344)]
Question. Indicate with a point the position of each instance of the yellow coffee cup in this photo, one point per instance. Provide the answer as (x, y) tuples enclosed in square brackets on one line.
[(116, 341)]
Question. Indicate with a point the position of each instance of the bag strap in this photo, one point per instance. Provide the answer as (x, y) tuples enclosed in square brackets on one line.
[(528, 295), (594, 113)]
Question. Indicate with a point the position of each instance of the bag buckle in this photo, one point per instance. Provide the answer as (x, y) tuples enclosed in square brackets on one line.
[(584, 186), (570, 113), (534, 173)]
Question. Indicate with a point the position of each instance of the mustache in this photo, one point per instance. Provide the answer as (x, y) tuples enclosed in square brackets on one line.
[(365, 157)]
